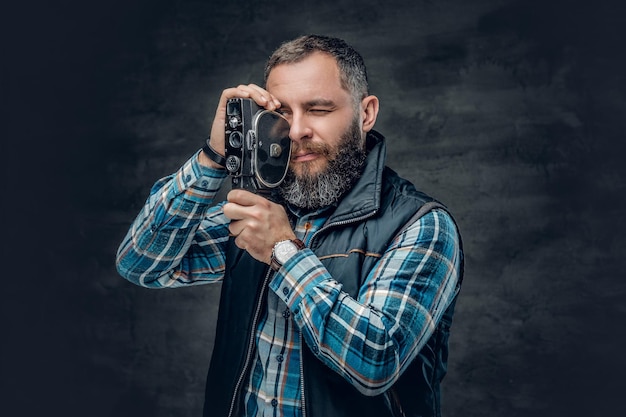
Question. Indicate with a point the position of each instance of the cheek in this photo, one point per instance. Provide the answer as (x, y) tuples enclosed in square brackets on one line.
[(338, 127)]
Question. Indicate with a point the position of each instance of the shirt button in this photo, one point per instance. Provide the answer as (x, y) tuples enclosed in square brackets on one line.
[(205, 183), (286, 313), (188, 178), (274, 402), (285, 290), (279, 358), (315, 350)]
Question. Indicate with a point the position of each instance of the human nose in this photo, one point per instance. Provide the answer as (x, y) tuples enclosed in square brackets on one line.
[(299, 128)]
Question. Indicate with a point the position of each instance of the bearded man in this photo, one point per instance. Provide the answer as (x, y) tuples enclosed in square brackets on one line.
[(337, 297)]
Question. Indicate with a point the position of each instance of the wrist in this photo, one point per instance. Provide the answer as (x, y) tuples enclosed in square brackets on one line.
[(207, 162), (283, 251), (210, 157)]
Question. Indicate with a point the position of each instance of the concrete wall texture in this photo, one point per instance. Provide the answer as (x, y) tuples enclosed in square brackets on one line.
[(511, 112)]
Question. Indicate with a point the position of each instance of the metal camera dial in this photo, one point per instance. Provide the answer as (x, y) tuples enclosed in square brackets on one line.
[(234, 122)]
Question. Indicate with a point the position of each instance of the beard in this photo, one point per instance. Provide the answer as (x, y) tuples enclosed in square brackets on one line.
[(345, 166)]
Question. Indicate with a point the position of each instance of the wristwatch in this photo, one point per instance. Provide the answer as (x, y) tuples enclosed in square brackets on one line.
[(284, 250)]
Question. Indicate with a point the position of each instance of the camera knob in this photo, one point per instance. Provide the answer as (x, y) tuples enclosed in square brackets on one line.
[(233, 122), (275, 150)]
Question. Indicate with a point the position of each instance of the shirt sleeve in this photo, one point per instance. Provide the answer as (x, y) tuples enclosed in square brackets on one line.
[(179, 236), (372, 339)]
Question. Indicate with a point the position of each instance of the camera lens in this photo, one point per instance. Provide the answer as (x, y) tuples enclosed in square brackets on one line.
[(235, 139)]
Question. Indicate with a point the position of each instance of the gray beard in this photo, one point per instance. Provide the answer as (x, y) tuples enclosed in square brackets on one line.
[(328, 187)]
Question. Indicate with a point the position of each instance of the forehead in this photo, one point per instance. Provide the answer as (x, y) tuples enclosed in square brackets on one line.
[(316, 75)]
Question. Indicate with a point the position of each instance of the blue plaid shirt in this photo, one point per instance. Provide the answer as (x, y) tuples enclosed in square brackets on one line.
[(179, 238)]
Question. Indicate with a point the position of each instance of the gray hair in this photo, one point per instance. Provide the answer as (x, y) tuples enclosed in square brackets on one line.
[(353, 74)]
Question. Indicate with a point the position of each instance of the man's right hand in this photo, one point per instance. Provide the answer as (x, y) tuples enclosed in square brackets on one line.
[(261, 96)]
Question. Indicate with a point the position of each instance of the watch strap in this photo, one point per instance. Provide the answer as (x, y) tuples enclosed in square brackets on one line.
[(213, 155), (275, 264)]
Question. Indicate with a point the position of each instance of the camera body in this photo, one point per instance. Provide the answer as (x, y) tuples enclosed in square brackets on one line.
[(258, 148)]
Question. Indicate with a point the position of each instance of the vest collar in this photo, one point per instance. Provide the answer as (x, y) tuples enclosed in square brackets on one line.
[(364, 197)]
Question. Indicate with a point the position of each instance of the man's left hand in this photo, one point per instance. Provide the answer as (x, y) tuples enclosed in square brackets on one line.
[(256, 223)]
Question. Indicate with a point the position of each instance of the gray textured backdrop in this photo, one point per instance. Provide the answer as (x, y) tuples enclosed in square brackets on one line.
[(511, 112)]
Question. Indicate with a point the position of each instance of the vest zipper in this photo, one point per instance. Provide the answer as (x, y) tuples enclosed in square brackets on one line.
[(303, 400), (250, 343), (325, 227), (343, 223)]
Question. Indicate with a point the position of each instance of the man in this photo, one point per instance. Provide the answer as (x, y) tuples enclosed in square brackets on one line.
[(336, 301)]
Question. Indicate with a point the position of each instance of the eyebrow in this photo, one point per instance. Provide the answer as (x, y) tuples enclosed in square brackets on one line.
[(313, 103), (320, 102)]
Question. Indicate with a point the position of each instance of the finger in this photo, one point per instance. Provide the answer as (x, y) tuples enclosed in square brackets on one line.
[(217, 129), (252, 91), (261, 96), (245, 198), (240, 243), (236, 227), (234, 211), (241, 91)]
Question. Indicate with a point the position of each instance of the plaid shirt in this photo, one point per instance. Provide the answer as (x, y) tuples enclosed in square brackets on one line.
[(179, 238)]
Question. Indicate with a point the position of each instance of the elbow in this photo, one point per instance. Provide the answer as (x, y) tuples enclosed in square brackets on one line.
[(377, 381), (376, 389), (123, 265), (130, 269), (126, 271), (372, 392)]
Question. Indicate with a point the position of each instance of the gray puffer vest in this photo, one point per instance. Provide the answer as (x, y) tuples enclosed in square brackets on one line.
[(378, 207)]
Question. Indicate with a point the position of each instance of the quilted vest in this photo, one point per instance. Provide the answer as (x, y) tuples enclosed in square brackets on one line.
[(367, 219)]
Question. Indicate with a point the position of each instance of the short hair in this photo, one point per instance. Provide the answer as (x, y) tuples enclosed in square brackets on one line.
[(352, 71)]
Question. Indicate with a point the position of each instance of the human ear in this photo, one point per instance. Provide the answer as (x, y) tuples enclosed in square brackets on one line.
[(369, 112)]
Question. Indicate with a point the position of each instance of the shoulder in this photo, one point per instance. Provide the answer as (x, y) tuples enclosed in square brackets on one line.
[(427, 216), (394, 183), (398, 195), (435, 224)]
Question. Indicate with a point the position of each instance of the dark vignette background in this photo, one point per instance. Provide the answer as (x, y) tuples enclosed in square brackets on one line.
[(511, 112)]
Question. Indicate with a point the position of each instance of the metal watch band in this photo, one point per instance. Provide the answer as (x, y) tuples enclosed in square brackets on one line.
[(213, 155)]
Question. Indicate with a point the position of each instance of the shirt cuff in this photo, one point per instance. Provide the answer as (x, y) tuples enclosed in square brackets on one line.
[(299, 277), (197, 182)]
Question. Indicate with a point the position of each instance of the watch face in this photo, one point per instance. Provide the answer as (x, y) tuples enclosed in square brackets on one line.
[(285, 250)]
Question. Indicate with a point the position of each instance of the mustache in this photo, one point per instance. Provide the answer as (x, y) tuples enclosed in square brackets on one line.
[(311, 147)]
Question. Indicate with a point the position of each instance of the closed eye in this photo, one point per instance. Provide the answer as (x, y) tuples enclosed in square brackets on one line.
[(320, 111)]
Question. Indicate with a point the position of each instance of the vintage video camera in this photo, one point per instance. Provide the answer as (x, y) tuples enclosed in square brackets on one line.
[(258, 148)]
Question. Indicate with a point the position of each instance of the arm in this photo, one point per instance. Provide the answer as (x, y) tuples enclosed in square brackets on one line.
[(178, 237), (372, 339)]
